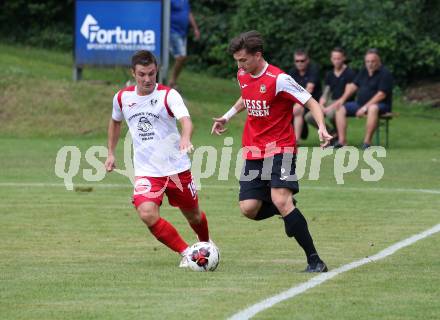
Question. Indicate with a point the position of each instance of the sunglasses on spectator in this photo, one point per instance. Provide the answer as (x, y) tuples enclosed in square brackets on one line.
[(304, 60)]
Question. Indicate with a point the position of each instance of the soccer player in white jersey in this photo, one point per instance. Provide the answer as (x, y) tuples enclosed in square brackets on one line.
[(160, 157)]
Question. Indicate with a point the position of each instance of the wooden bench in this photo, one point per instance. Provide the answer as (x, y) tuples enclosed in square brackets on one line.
[(384, 120)]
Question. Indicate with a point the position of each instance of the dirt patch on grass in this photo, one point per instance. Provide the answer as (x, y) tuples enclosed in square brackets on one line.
[(424, 91)]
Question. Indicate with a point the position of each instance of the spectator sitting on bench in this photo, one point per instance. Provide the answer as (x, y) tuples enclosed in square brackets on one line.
[(336, 81), (306, 74), (374, 84)]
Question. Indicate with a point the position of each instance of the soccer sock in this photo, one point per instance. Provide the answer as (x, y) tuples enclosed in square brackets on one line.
[(201, 229), (296, 226), (267, 210), (168, 235)]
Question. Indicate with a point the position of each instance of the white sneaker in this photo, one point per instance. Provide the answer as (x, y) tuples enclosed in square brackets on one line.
[(184, 262)]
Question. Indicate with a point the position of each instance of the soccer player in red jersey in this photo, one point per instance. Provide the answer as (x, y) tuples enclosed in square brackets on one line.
[(268, 179), (161, 163)]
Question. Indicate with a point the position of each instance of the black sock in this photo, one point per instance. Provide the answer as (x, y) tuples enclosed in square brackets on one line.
[(267, 210), (296, 226)]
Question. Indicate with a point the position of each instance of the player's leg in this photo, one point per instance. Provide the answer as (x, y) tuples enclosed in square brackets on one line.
[(298, 120), (147, 198), (255, 201), (161, 228), (182, 193), (283, 185)]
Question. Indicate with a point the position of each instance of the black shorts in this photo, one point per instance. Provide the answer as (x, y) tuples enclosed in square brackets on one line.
[(259, 176)]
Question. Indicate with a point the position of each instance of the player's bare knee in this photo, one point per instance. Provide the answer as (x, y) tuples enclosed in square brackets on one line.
[(249, 210), (148, 215)]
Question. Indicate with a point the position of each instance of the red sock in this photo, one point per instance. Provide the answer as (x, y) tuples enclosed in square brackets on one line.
[(168, 235), (202, 228)]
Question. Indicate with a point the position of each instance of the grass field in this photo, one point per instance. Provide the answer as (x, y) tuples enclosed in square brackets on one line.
[(86, 255)]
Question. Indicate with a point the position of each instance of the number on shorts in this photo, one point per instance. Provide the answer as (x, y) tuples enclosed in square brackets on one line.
[(192, 189)]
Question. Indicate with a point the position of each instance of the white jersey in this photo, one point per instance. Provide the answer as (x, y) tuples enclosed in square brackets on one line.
[(151, 120)]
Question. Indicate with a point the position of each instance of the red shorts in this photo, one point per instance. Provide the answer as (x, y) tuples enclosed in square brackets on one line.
[(179, 188)]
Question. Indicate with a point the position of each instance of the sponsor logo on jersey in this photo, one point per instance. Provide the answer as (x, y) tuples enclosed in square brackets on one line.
[(130, 105), (144, 124), (257, 108), (263, 88), (244, 86), (117, 38)]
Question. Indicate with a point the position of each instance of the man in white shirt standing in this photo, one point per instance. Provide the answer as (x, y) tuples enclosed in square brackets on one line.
[(160, 158)]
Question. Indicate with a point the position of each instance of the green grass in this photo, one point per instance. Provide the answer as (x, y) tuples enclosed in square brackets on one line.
[(86, 255)]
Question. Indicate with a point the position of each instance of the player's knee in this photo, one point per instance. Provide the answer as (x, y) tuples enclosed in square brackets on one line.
[(283, 204), (249, 210), (148, 215)]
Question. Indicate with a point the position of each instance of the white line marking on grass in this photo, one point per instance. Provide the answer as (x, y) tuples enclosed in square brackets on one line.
[(315, 281), (211, 186)]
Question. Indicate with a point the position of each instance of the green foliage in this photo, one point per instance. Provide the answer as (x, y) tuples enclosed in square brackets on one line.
[(405, 31), (401, 30)]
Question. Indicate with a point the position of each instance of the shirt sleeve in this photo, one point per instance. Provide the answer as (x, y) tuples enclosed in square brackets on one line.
[(350, 75), (176, 104), (117, 114), (291, 89), (386, 82), (314, 75), (358, 78)]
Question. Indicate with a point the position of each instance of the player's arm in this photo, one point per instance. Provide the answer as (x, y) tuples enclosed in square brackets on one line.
[(186, 134), (219, 123), (181, 113), (113, 133), (318, 115), (291, 90)]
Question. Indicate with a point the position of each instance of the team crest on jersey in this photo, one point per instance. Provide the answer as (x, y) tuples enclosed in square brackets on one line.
[(263, 88), (153, 102), (144, 124)]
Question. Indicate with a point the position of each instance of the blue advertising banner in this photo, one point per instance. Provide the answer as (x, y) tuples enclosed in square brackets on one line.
[(108, 32)]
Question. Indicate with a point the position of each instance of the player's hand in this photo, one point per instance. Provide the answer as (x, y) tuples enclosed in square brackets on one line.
[(185, 146), (110, 163), (324, 137), (219, 126)]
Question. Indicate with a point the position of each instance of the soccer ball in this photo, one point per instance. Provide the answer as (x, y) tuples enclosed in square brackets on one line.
[(203, 256)]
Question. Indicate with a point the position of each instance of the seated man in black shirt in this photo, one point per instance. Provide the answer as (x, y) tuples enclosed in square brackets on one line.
[(335, 83), (306, 75), (374, 86)]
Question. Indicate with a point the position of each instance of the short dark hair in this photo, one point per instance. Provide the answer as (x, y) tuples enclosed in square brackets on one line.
[(301, 52), (144, 58), (339, 49), (252, 41), (372, 50)]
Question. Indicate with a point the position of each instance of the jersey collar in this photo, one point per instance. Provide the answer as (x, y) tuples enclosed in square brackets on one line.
[(262, 71)]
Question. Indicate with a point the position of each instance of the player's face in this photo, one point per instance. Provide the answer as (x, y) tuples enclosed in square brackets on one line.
[(337, 59), (145, 77), (372, 62), (247, 61), (301, 62)]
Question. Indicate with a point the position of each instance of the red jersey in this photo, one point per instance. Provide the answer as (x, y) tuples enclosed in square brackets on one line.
[(269, 98)]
